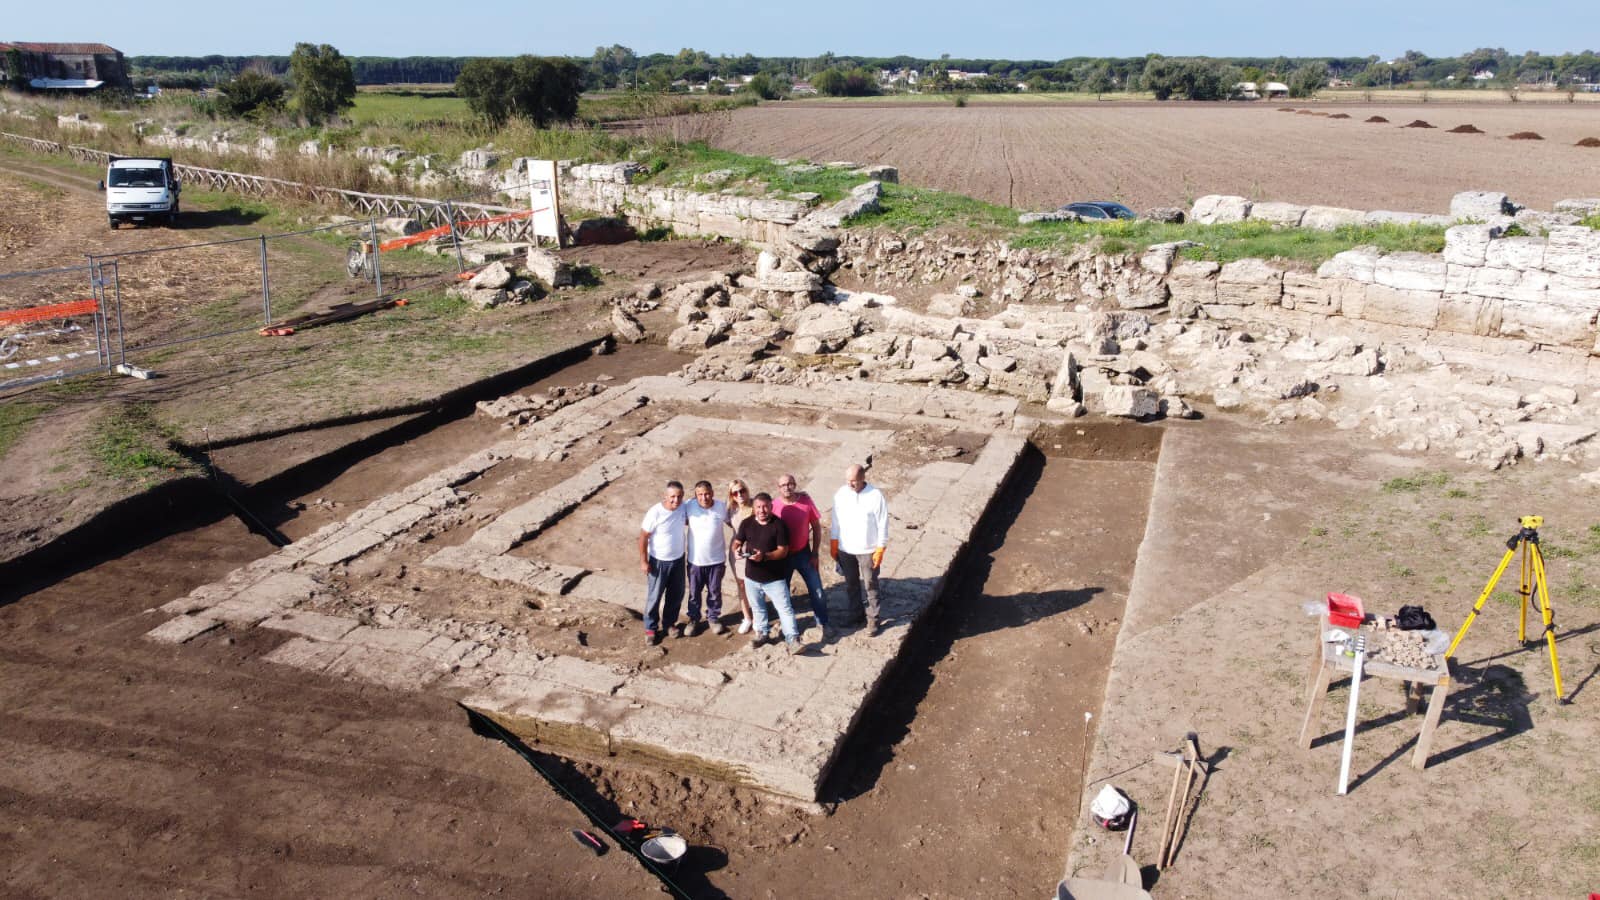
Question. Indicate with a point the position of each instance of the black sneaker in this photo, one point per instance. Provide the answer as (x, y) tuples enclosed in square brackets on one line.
[(758, 641), (652, 638), (697, 628)]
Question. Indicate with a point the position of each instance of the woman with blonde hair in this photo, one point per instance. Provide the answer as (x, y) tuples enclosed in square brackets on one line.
[(739, 509)]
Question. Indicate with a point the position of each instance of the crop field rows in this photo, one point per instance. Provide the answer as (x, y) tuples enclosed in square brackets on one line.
[(1156, 155)]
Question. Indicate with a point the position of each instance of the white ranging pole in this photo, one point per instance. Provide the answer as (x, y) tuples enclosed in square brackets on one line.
[(1350, 715)]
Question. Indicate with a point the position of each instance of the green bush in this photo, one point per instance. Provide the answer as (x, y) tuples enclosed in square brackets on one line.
[(537, 89), (251, 95)]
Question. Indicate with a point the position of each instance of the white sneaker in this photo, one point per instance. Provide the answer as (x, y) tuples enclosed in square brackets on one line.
[(744, 626)]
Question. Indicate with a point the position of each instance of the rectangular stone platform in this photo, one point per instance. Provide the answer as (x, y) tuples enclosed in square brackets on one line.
[(762, 719)]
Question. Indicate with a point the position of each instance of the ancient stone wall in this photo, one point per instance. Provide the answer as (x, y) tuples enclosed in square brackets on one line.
[(1521, 306), (609, 189)]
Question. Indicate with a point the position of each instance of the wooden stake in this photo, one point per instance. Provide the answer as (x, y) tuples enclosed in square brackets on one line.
[(1168, 823)]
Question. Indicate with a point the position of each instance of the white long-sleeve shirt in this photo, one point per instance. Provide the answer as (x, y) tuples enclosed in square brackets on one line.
[(860, 519)]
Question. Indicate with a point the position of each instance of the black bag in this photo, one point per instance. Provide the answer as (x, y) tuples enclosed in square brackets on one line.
[(1414, 618)]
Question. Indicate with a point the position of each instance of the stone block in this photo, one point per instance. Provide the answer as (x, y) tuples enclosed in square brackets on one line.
[(396, 671), (550, 268), (1515, 253), (514, 662), (1288, 215), (1410, 271), (1129, 402), (182, 629), (656, 692), (1327, 218), (346, 548), (1358, 264), (701, 675), (1465, 245), (1481, 205), (1249, 282), (1216, 208), (1544, 323), (1579, 207), (581, 674), (1310, 293), (1192, 284), (1469, 314), (1573, 251), (1392, 306), (301, 653), (398, 640), (1574, 293), (1393, 217), (316, 626)]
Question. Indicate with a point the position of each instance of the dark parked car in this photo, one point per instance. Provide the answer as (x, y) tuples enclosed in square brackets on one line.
[(1100, 210)]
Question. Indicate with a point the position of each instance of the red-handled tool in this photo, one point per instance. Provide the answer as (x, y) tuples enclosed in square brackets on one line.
[(590, 841)]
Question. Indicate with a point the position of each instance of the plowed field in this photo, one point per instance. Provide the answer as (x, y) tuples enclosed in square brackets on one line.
[(1035, 156)]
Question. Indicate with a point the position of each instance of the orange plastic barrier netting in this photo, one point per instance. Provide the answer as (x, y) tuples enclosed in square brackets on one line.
[(54, 311)]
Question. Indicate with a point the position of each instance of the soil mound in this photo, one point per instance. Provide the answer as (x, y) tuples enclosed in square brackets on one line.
[(1285, 109), (1527, 136), (1305, 112), (1340, 116), (1468, 128), (1589, 142), (1416, 123), (1378, 119)]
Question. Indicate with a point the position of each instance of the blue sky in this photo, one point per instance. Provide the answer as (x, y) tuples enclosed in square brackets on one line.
[(1024, 29)]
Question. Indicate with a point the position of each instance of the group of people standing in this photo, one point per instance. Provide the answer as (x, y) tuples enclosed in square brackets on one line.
[(687, 545)]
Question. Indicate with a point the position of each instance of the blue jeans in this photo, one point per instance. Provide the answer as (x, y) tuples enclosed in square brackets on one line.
[(805, 565), (663, 587), (778, 593)]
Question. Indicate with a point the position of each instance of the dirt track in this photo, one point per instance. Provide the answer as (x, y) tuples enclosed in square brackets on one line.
[(1149, 155)]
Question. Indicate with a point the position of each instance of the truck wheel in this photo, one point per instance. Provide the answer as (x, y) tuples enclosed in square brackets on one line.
[(113, 224)]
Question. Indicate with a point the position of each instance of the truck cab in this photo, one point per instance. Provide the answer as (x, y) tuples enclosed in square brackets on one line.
[(141, 189)]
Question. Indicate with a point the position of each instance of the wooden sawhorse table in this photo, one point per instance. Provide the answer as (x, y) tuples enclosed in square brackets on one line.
[(1328, 661)]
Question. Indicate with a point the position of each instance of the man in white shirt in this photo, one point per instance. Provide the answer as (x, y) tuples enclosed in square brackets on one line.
[(708, 557), (662, 542), (859, 534)]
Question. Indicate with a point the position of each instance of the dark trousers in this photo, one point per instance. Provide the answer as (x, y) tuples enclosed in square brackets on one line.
[(857, 569), (707, 580), (664, 591)]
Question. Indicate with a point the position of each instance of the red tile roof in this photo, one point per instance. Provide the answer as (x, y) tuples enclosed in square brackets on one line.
[(36, 47)]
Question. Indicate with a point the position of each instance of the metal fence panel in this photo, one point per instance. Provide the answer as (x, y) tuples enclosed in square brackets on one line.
[(51, 326)]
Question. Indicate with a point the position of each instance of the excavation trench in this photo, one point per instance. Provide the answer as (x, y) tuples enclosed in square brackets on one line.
[(969, 753)]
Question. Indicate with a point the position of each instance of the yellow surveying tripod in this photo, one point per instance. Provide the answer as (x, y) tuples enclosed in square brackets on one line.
[(1526, 540)]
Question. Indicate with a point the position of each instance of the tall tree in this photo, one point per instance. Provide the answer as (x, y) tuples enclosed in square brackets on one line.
[(324, 84)]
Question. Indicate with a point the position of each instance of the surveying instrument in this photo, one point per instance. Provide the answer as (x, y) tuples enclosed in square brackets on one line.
[(1526, 544)]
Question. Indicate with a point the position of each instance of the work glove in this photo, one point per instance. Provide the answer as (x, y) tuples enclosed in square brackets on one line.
[(833, 550), (877, 558)]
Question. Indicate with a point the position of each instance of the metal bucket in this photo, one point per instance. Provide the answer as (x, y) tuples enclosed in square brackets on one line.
[(665, 850)]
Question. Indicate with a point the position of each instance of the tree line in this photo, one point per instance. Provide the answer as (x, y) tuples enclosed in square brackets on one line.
[(617, 66)]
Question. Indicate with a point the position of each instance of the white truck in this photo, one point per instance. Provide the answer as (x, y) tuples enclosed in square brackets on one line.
[(141, 189)]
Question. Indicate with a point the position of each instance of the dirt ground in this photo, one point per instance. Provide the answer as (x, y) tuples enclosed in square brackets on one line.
[(1508, 805), (1020, 618), (1040, 155)]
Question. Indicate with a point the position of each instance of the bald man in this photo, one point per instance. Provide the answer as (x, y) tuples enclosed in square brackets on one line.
[(859, 534)]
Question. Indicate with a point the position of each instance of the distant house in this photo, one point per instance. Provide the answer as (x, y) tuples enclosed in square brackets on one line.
[(800, 88), (1485, 75), (1249, 90), (66, 67)]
